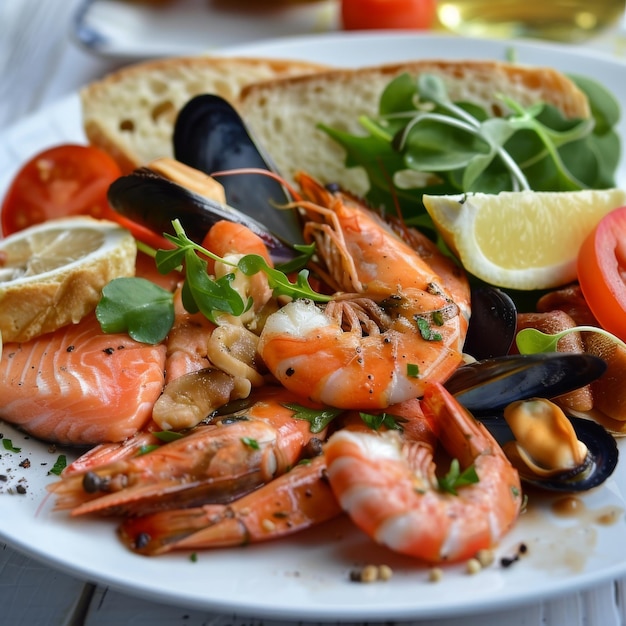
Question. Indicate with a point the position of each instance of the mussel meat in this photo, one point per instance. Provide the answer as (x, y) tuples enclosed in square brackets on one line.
[(486, 388), (210, 136), (598, 464)]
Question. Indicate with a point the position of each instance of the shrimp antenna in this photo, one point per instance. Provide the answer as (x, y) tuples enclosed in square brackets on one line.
[(257, 170)]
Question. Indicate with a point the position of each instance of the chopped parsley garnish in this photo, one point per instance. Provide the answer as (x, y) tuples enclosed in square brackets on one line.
[(59, 465), (318, 418), (376, 422), (456, 478)]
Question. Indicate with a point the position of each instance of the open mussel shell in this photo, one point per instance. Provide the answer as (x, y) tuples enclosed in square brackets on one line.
[(493, 323), (491, 384), (154, 201), (601, 459), (210, 136)]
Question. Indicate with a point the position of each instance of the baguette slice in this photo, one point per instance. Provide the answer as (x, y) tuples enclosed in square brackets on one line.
[(283, 113), (131, 113)]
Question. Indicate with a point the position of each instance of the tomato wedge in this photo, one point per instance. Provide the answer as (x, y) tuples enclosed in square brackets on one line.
[(394, 14), (66, 180), (59, 182), (602, 272)]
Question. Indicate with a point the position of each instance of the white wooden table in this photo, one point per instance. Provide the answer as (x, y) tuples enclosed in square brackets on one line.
[(38, 65)]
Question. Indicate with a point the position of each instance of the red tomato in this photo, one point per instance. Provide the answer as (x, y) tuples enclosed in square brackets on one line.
[(63, 181), (381, 14), (602, 272), (59, 182)]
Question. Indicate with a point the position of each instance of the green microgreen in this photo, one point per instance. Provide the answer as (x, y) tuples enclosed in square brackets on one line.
[(7, 444), (319, 419), (421, 142), (412, 370), (428, 334), (251, 443), (456, 478), (531, 340), (59, 465), (377, 421), (146, 311)]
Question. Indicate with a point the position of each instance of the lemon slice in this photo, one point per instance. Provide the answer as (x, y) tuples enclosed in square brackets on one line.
[(521, 240), (52, 274)]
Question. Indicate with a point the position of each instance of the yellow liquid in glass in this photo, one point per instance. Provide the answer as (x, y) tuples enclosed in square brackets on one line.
[(560, 20)]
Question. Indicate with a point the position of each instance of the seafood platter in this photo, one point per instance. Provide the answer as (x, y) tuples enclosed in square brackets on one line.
[(312, 410)]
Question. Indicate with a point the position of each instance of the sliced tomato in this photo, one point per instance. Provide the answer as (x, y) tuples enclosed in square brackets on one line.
[(66, 180), (59, 182), (602, 272), (382, 14)]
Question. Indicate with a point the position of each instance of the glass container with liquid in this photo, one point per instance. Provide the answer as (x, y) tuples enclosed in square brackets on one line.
[(560, 20)]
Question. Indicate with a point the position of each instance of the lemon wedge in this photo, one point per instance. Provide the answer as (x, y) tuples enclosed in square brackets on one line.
[(521, 240), (52, 274)]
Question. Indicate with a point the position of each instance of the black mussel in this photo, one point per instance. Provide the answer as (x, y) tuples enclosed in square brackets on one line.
[(493, 323), (599, 462), (210, 136), (492, 384), (154, 201)]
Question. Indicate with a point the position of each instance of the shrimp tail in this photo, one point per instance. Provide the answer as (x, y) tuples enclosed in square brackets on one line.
[(290, 503)]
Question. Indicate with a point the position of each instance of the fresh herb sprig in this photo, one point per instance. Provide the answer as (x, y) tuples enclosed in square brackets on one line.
[(532, 341), (437, 146), (318, 419), (146, 311), (456, 478)]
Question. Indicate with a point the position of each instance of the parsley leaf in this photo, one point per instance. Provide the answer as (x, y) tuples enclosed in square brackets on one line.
[(375, 422), (455, 478), (59, 465), (318, 418), (146, 311), (136, 306), (7, 444)]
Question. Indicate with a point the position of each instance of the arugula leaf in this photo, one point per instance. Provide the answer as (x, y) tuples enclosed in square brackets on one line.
[(455, 478), (459, 147), (281, 285), (318, 418), (136, 306), (146, 311)]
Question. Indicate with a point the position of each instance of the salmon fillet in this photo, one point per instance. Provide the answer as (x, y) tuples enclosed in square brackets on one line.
[(79, 385)]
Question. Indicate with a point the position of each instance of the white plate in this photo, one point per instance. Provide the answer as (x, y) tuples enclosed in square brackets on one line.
[(307, 577), (115, 28)]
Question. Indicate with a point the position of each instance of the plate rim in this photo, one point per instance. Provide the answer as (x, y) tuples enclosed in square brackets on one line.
[(327, 613)]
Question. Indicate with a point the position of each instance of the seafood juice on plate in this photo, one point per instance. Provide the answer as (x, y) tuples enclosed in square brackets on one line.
[(252, 390)]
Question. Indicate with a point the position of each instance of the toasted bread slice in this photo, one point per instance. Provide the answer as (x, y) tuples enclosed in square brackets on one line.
[(283, 113), (131, 113)]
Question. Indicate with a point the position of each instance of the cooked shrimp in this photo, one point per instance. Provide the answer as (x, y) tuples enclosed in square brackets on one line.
[(392, 326), (290, 503), (387, 485), (231, 241), (214, 462)]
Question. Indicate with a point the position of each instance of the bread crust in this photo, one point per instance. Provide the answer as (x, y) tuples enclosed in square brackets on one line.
[(43, 303), (130, 113)]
